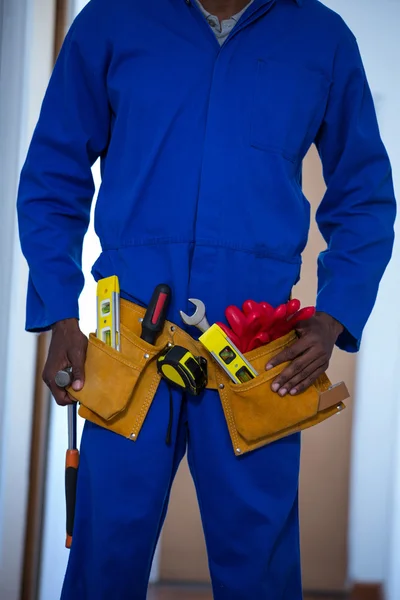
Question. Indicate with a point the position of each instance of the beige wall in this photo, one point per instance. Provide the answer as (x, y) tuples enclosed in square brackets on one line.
[(324, 482), (183, 550), (324, 474)]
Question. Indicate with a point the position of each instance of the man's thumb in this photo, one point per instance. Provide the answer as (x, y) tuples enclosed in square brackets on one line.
[(78, 377), (77, 385)]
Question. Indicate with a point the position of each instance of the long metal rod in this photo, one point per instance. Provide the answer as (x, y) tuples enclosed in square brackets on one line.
[(72, 441)]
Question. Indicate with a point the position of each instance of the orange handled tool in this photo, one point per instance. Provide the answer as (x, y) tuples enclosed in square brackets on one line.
[(63, 379), (71, 473)]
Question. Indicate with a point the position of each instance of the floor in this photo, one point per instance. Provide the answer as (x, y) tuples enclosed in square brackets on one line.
[(202, 593)]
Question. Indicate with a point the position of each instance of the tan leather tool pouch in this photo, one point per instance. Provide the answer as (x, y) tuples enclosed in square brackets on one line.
[(120, 386), (257, 416)]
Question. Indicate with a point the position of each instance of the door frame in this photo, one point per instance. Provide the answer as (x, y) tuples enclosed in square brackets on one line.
[(26, 53)]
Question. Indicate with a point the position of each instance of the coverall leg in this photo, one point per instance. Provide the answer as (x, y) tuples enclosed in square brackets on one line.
[(122, 496), (248, 506)]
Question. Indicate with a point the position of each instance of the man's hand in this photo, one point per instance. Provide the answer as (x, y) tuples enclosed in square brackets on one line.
[(310, 354), (68, 348)]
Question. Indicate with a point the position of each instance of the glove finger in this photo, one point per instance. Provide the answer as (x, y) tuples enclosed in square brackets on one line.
[(302, 315), (249, 306), (236, 320), (231, 335), (267, 314), (292, 307)]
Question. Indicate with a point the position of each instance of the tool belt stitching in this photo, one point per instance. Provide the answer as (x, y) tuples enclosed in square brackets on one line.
[(175, 335), (146, 404), (169, 327), (248, 419), (172, 331), (124, 332), (255, 354), (229, 415), (254, 383), (119, 358)]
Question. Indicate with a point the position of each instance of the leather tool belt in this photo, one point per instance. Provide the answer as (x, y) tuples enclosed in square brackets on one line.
[(120, 387)]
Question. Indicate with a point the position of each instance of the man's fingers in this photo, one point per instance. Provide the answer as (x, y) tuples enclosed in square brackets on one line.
[(60, 395), (64, 399), (308, 357), (289, 354), (295, 369), (67, 349), (306, 377), (308, 381), (70, 399), (77, 360)]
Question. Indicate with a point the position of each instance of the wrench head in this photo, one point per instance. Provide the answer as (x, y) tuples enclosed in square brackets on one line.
[(198, 315)]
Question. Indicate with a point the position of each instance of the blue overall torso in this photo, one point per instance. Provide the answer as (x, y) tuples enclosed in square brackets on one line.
[(201, 149)]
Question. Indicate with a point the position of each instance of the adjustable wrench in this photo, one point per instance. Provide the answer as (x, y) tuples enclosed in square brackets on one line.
[(199, 318)]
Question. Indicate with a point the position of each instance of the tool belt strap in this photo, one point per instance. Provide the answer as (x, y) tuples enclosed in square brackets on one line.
[(120, 387), (131, 315)]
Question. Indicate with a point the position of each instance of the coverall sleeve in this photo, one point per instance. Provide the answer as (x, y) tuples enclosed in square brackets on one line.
[(56, 185), (356, 216)]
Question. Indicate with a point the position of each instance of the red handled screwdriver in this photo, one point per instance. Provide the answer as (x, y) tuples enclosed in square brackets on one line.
[(152, 326), (156, 313)]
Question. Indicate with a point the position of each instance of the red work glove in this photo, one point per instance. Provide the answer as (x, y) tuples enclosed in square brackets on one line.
[(283, 327), (232, 336)]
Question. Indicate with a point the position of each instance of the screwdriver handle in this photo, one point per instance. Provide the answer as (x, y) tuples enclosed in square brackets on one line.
[(71, 475), (156, 313)]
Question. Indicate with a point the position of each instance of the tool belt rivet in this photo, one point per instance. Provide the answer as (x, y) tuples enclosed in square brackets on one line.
[(221, 386), (238, 450), (147, 356), (173, 328)]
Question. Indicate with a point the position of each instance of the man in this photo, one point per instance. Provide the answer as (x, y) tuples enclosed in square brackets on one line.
[(201, 115)]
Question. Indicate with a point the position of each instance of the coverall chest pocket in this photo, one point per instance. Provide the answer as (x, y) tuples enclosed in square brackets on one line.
[(288, 106)]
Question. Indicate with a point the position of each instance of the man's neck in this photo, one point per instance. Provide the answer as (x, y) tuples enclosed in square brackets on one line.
[(224, 9)]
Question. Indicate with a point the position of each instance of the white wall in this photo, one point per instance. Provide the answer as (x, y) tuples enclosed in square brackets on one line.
[(392, 575), (26, 47), (375, 493)]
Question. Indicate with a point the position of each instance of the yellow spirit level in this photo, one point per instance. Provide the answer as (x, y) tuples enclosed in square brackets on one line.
[(108, 311), (227, 355)]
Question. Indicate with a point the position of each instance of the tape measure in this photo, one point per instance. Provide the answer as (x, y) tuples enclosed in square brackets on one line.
[(183, 370)]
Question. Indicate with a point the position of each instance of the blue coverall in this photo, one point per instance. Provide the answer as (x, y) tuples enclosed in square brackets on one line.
[(201, 150)]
